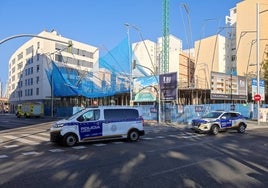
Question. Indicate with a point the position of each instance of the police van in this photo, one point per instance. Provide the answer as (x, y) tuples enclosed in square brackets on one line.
[(100, 123)]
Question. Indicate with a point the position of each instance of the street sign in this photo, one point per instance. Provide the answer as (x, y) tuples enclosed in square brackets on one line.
[(257, 97)]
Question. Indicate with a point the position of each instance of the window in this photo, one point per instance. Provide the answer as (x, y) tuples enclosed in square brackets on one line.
[(58, 58), (13, 61), (120, 114), (37, 79), (20, 56), (233, 57), (37, 91), (37, 68), (90, 115), (29, 61), (29, 50), (20, 66)]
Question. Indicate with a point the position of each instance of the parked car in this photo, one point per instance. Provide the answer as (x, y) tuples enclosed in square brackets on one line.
[(100, 123), (216, 121)]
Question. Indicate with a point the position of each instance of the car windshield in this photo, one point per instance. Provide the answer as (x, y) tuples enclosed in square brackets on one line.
[(212, 115), (75, 114)]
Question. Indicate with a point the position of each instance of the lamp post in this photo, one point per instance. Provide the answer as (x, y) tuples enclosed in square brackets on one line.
[(199, 44), (189, 40), (258, 54), (154, 72)]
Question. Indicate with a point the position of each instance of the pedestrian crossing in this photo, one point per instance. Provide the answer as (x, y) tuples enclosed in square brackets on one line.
[(10, 141)]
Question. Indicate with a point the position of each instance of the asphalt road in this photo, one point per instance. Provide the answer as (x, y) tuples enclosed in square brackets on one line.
[(165, 157)]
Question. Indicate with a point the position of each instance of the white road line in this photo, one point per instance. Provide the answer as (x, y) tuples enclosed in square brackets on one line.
[(25, 141), (79, 147), (30, 153), (118, 142), (147, 138), (56, 150), (11, 146), (99, 145), (3, 156), (160, 137), (36, 137), (44, 134)]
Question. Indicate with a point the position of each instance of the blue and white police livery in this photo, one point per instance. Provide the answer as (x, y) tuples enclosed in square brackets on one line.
[(99, 123), (216, 121)]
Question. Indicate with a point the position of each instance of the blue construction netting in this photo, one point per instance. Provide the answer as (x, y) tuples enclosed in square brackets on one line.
[(67, 81)]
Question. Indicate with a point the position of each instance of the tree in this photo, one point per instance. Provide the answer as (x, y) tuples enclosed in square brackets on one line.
[(265, 71)]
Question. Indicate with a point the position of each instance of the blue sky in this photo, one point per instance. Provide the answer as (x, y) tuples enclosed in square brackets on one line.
[(101, 22)]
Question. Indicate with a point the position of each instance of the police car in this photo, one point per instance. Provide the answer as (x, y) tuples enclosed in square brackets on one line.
[(216, 121), (101, 123)]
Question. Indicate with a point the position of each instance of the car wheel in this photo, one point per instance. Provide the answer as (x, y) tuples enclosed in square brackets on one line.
[(69, 140), (214, 129), (133, 135), (241, 128)]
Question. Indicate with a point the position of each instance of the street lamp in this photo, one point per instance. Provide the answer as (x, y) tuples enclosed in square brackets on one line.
[(258, 54), (189, 40), (199, 44), (154, 72)]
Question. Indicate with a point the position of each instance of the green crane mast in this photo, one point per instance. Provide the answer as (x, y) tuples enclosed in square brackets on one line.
[(165, 40)]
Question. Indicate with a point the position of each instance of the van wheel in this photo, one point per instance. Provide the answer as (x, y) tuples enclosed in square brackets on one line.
[(69, 140), (241, 128), (133, 135), (214, 129)]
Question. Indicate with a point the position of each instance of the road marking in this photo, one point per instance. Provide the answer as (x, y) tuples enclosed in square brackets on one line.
[(30, 153), (25, 141), (44, 134), (79, 147), (56, 150), (11, 146), (147, 138), (160, 137), (118, 142), (36, 137), (99, 145), (3, 156)]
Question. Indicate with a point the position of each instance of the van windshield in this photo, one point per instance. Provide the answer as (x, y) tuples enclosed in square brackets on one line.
[(75, 114)]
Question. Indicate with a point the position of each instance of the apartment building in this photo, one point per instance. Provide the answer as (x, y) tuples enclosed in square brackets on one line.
[(28, 79), (149, 54), (212, 53), (245, 14)]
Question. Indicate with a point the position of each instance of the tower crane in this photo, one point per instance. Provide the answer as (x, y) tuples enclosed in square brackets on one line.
[(164, 68)]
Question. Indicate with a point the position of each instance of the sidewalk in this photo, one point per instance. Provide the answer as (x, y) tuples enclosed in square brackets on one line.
[(250, 124)]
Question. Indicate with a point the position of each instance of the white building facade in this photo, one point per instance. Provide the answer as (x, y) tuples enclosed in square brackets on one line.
[(28, 66), (149, 54)]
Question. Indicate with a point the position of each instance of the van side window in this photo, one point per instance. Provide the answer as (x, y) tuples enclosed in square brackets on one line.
[(120, 114), (90, 115)]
